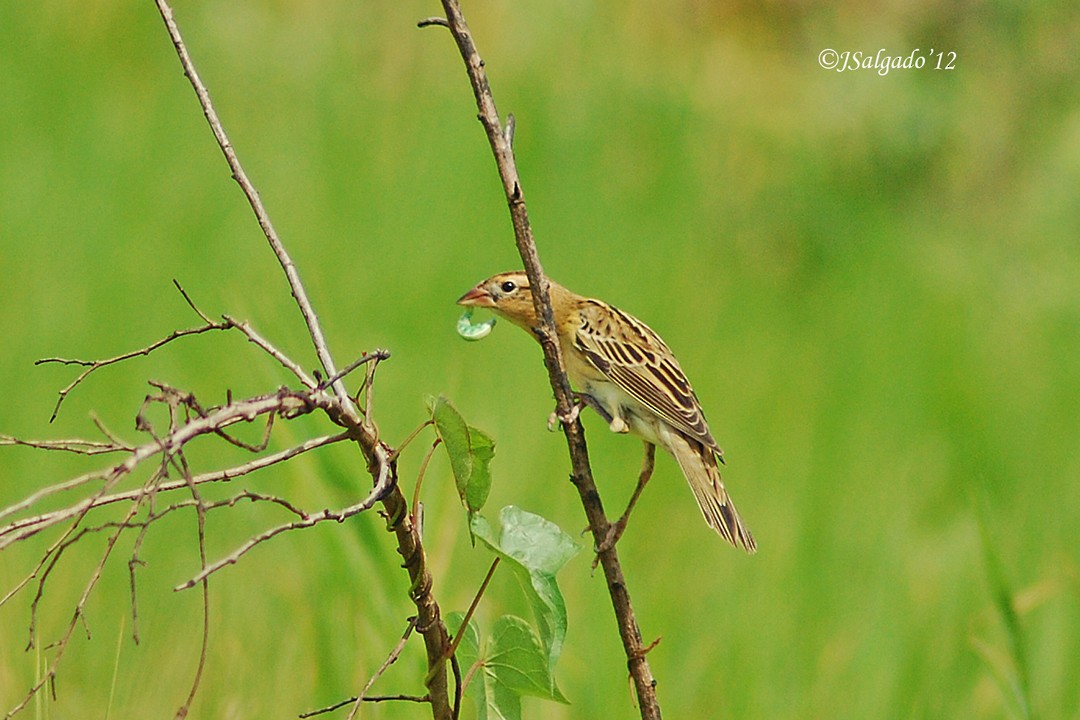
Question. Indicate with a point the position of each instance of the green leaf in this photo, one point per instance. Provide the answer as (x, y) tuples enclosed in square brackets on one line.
[(482, 450), (512, 664), (516, 660), (470, 451), (534, 549)]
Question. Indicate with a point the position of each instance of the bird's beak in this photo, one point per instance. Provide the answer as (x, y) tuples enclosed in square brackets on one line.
[(477, 297)]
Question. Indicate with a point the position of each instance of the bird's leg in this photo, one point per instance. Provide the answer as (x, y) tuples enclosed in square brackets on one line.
[(616, 529)]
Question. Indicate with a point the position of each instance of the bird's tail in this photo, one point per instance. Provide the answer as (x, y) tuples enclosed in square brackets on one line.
[(699, 465)]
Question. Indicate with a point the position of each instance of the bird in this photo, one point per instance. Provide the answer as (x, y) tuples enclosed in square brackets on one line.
[(621, 367)]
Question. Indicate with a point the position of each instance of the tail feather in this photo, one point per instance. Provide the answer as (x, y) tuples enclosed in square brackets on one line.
[(700, 467)]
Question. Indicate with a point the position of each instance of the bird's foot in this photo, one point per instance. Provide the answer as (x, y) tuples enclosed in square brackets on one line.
[(555, 420)]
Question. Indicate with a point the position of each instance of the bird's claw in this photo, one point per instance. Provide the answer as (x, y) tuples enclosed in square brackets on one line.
[(614, 532), (555, 420)]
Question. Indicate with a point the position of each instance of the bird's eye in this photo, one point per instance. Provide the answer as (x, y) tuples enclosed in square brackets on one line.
[(508, 286)]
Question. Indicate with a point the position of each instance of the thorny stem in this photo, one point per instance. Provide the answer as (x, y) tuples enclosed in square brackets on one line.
[(582, 479)]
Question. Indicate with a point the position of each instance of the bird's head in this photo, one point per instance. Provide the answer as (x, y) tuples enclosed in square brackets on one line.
[(508, 295)]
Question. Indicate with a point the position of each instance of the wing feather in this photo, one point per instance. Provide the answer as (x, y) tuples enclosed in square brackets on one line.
[(637, 360)]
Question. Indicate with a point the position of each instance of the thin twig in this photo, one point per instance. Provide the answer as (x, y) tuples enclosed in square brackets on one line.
[(412, 436), (420, 476), (200, 516), (109, 434), (22, 529), (75, 445), (191, 303), (308, 521), (261, 342), (617, 528), (371, 699), (472, 606), (376, 357), (92, 365), (390, 660)]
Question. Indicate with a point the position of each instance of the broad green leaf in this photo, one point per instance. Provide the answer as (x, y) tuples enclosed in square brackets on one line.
[(470, 451), (516, 659), (454, 433), (535, 549), (512, 664)]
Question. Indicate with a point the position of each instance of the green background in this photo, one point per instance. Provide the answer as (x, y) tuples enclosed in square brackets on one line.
[(873, 282)]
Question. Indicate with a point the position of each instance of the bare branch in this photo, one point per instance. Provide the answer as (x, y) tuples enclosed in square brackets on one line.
[(272, 351), (371, 699), (307, 521), (500, 142), (374, 357), (188, 420), (252, 195), (283, 401), (344, 412), (92, 365), (472, 607), (77, 616), (76, 445), (191, 303), (26, 527)]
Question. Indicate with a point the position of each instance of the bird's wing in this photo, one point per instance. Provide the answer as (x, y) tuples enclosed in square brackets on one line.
[(634, 357)]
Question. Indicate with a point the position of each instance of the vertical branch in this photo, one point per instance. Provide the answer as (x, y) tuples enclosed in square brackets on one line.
[(429, 622), (500, 142), (252, 195)]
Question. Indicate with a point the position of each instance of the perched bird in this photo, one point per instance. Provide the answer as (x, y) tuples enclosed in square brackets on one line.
[(631, 375)]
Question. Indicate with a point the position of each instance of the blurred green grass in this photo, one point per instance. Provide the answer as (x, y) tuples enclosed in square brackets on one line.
[(872, 282)]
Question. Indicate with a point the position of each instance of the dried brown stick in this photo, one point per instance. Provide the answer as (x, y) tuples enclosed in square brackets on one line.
[(92, 365), (296, 286), (74, 445), (381, 463), (61, 645), (305, 522), (26, 527)]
